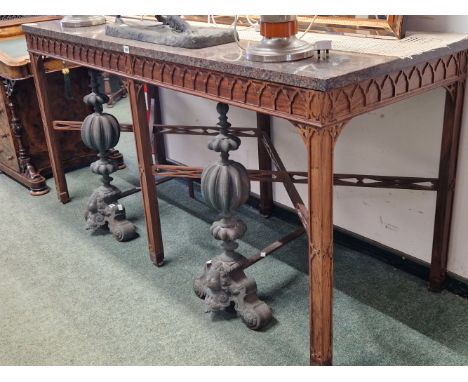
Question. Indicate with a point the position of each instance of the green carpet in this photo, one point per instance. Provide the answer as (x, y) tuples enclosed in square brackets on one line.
[(68, 297)]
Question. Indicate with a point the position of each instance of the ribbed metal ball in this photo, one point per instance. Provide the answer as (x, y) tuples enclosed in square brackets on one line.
[(225, 187), (100, 131)]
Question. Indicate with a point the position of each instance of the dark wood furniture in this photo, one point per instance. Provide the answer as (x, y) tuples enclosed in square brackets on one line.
[(113, 88), (23, 150), (318, 97)]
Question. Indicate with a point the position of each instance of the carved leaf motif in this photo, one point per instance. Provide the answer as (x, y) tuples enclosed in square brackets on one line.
[(121, 63), (342, 103), (387, 88), (186, 78), (451, 67), (251, 93), (335, 130), (237, 91), (305, 131), (282, 101), (145, 68), (298, 104), (177, 76), (171, 74), (414, 79), (225, 87), (211, 84), (266, 99), (427, 75), (63, 48), (358, 97), (315, 106), (401, 83), (259, 94), (439, 70), (167, 73)]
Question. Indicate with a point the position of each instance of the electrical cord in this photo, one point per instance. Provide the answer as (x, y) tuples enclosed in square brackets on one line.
[(308, 28)]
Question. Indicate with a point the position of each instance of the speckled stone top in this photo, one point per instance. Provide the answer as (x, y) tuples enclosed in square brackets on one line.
[(341, 69)]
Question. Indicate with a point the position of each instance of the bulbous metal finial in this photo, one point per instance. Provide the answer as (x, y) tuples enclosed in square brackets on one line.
[(99, 131), (95, 101), (222, 109), (225, 187)]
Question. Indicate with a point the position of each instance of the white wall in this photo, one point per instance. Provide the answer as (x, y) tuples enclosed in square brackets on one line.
[(401, 139)]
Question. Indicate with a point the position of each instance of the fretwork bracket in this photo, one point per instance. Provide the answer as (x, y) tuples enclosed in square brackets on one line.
[(306, 131)]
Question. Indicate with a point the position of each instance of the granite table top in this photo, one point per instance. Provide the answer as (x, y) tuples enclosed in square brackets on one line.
[(341, 69)]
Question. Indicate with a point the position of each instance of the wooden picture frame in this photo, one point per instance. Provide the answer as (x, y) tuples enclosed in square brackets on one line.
[(386, 27), (390, 27), (11, 25)]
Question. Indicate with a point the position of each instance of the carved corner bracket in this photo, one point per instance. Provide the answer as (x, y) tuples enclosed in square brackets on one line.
[(307, 131), (455, 87)]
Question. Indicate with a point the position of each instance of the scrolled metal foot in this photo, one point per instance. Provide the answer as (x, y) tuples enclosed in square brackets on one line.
[(103, 211), (224, 283), (199, 288), (119, 226)]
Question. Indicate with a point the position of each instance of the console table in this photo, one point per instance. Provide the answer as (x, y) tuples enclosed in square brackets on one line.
[(318, 96)]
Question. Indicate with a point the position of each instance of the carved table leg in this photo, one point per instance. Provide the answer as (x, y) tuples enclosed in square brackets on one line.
[(158, 139), (446, 190), (145, 162), (225, 187), (319, 143), (37, 183), (107, 87), (264, 163), (40, 81)]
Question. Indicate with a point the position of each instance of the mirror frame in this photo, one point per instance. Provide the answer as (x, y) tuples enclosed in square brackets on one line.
[(392, 27)]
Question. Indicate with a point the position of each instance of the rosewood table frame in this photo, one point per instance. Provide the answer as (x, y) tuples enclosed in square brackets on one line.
[(319, 117)]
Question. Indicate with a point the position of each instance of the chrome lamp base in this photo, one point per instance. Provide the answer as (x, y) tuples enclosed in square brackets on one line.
[(75, 21), (280, 50)]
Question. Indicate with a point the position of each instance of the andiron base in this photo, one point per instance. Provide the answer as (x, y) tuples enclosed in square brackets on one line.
[(224, 283), (225, 187), (104, 210)]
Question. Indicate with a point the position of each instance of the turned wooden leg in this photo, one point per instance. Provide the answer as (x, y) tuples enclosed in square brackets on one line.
[(145, 162), (446, 190), (40, 81), (319, 143), (264, 163)]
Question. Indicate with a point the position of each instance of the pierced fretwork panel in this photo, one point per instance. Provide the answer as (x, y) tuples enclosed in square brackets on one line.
[(350, 180)]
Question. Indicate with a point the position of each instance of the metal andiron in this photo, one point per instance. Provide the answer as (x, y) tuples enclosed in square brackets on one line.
[(225, 187), (101, 131)]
